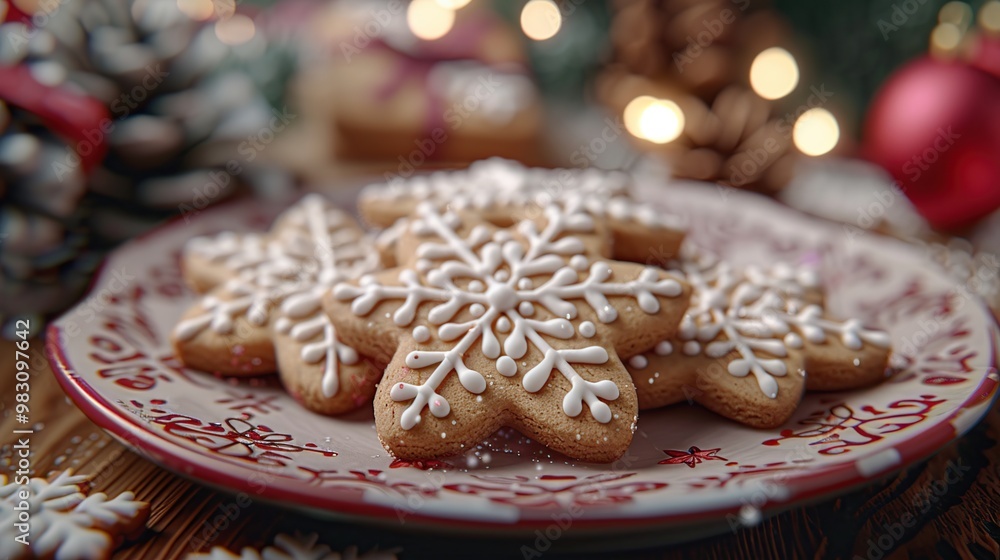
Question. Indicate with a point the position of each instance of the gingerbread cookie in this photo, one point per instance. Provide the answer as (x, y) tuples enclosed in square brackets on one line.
[(752, 341), (504, 191), (523, 327), (263, 308)]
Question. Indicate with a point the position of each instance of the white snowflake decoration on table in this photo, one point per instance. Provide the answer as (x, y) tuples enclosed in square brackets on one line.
[(314, 246), (64, 521), (500, 294), (496, 182), (753, 311), (297, 547)]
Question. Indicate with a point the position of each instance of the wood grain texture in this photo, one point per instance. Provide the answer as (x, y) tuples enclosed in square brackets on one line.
[(947, 507)]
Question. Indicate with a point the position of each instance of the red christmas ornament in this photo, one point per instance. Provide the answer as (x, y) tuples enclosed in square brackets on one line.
[(935, 127), (79, 119)]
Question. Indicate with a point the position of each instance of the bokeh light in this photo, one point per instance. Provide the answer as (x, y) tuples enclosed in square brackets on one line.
[(236, 30), (540, 19), (196, 9), (428, 20), (657, 120), (774, 73), (224, 8), (958, 14), (989, 17), (945, 38), (816, 132), (453, 4)]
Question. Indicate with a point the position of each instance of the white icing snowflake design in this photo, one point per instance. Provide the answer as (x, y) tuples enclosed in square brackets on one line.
[(497, 182), (490, 275), (289, 547), (753, 311), (64, 521), (314, 246)]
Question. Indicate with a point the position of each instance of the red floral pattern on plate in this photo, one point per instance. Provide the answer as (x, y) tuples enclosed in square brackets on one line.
[(558, 492), (693, 456), (841, 428)]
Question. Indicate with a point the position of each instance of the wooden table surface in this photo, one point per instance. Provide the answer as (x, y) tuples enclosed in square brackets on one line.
[(964, 522)]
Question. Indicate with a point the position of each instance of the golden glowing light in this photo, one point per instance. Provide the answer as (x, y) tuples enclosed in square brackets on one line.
[(774, 73), (946, 37), (236, 30), (428, 20), (657, 120), (989, 17), (816, 132), (540, 19), (196, 9), (958, 14), (453, 4)]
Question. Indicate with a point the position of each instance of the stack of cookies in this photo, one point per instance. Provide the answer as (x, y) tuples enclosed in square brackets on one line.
[(504, 296)]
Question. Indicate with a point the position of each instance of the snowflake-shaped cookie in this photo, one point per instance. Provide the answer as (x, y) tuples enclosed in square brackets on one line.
[(62, 521), (485, 327), (504, 191), (263, 310), (752, 341), (293, 547)]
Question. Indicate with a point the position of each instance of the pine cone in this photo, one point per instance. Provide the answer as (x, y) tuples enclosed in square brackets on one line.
[(736, 143), (44, 263), (176, 121), (687, 42)]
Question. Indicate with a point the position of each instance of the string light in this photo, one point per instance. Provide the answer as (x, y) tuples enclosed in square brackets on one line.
[(199, 10), (540, 19), (236, 30), (816, 132), (774, 73), (429, 20), (657, 120), (453, 4)]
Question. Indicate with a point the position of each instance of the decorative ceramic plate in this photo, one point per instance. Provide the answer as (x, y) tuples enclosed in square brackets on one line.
[(687, 471)]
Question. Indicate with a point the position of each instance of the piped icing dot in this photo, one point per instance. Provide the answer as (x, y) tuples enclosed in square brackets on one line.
[(506, 366), (579, 262), (477, 309), (525, 284), (793, 340), (503, 325), (501, 297), (526, 309), (587, 329), (691, 348), (638, 362), (476, 286), (421, 333), (664, 348)]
